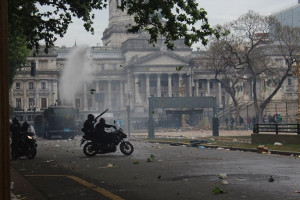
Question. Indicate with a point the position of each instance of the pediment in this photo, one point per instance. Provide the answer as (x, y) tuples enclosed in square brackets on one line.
[(161, 58)]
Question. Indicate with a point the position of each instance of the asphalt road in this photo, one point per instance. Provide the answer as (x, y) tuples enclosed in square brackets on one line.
[(156, 172)]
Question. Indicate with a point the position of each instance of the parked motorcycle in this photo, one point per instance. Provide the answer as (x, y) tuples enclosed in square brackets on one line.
[(26, 147), (91, 148)]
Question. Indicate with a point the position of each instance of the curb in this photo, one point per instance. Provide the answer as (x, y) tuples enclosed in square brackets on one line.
[(284, 153)]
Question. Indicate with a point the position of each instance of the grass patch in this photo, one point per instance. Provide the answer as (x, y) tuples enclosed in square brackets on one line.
[(238, 142)]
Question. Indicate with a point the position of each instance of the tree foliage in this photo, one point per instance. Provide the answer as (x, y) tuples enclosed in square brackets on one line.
[(17, 54), (249, 49), (173, 19)]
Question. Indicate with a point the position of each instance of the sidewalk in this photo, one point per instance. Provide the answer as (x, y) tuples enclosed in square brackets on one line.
[(193, 134), (22, 189)]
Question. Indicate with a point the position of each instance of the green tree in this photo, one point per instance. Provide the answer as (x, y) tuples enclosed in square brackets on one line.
[(17, 54), (249, 51), (172, 19), (29, 24)]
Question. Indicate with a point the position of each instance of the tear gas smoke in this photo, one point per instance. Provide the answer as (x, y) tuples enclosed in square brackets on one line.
[(75, 73)]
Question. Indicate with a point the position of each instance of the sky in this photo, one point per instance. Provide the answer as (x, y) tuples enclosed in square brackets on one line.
[(218, 11)]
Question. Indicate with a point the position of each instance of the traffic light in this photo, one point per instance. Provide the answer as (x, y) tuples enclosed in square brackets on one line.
[(33, 68)]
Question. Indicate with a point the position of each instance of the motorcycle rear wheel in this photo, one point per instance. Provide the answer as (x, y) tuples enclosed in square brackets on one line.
[(31, 152), (89, 149), (126, 148)]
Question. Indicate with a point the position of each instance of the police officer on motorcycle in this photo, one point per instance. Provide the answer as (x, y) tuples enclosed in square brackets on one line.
[(88, 126), (100, 133), (16, 134)]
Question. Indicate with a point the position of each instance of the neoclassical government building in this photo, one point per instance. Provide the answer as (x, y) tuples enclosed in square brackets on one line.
[(126, 71)]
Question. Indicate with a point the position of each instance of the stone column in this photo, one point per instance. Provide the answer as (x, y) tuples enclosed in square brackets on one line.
[(97, 91), (220, 95), (136, 89), (180, 85), (109, 99), (37, 96), (190, 85), (25, 96), (85, 103), (129, 90), (121, 94), (170, 85), (147, 88), (92, 96), (197, 88), (51, 93), (208, 87), (158, 84)]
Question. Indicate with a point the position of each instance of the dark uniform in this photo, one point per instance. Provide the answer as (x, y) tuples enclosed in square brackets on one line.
[(88, 126), (100, 133), (16, 132)]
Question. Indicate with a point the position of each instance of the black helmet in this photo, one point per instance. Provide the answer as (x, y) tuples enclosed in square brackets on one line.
[(25, 126), (102, 121), (90, 117), (15, 121)]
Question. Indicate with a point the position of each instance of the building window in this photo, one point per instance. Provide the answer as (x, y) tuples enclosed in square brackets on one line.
[(30, 85), (18, 103), (200, 85), (18, 86), (211, 85), (43, 85), (43, 103), (29, 118), (21, 118), (31, 103), (290, 82)]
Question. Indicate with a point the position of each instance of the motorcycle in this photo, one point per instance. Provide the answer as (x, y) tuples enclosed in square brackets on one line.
[(27, 146), (91, 148)]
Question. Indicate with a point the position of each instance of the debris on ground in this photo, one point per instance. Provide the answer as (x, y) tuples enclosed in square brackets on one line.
[(222, 176), (277, 144), (136, 162), (49, 161), (262, 149), (224, 182), (196, 143), (217, 190), (110, 165), (271, 179), (151, 158)]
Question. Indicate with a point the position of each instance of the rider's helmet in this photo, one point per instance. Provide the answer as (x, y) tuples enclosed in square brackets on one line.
[(15, 121), (25, 126), (90, 117), (102, 121)]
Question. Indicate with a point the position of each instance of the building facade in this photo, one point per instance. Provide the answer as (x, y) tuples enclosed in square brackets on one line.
[(126, 72)]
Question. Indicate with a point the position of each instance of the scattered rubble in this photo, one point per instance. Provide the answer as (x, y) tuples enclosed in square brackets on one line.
[(262, 149), (277, 144)]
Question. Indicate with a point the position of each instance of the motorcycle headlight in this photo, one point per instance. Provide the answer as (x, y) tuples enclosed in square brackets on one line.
[(29, 137)]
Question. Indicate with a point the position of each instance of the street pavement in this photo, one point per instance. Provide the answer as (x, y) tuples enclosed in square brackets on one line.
[(154, 171)]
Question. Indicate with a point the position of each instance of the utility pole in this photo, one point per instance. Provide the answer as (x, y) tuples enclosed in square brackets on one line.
[(4, 105)]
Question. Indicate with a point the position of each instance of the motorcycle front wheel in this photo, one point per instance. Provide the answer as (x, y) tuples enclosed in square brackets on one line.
[(126, 148), (31, 151), (89, 149)]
